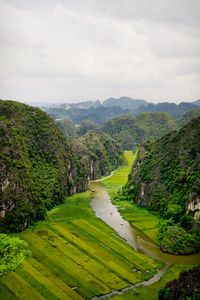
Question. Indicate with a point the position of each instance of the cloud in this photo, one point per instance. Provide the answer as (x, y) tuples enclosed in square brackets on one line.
[(79, 50)]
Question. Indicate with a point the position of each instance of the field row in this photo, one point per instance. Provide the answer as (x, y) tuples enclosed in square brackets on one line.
[(74, 256)]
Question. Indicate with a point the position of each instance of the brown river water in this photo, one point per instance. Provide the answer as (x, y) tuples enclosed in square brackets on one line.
[(106, 211)]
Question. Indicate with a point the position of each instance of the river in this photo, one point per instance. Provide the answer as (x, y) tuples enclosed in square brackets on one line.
[(105, 210)]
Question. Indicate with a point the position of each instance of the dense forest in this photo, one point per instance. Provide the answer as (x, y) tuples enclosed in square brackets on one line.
[(165, 178), (131, 131), (40, 167), (98, 154)]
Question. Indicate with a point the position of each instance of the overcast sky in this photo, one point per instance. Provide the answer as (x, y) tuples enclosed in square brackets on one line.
[(75, 50)]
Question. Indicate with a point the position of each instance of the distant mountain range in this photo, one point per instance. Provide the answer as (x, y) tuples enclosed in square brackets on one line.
[(113, 107), (176, 110), (125, 103)]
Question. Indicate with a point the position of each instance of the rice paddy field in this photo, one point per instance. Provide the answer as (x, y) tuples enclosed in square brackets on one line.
[(75, 255)]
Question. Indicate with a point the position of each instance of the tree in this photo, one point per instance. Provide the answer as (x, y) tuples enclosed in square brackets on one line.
[(12, 253)]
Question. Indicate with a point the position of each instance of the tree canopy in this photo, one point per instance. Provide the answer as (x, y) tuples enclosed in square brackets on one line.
[(12, 253)]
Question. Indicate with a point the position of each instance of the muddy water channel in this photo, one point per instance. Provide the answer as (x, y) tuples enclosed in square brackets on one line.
[(105, 210)]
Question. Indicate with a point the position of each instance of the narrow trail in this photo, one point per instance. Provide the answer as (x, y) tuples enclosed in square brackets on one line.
[(104, 178), (152, 280)]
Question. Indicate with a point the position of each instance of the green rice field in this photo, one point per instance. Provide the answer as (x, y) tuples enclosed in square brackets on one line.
[(75, 255)]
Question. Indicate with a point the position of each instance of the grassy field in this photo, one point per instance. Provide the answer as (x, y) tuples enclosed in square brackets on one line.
[(131, 212), (120, 176), (75, 255)]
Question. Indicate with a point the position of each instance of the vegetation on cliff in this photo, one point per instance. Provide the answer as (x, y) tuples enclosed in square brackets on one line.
[(188, 116), (40, 166), (131, 131), (87, 125), (68, 128), (98, 154), (166, 178)]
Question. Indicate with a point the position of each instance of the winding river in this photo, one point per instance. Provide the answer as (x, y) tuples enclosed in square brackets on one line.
[(105, 210)]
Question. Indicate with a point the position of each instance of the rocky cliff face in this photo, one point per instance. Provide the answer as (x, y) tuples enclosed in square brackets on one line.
[(166, 174), (38, 166), (98, 154)]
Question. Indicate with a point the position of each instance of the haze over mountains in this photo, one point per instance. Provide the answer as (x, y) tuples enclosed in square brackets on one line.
[(100, 112)]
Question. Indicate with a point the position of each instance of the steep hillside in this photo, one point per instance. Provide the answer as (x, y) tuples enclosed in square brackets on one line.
[(155, 125), (86, 126), (188, 116), (98, 154), (125, 131), (38, 166), (166, 178), (67, 127), (130, 131), (167, 171)]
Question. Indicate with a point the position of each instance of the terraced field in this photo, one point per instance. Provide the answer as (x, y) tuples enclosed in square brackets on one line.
[(74, 256)]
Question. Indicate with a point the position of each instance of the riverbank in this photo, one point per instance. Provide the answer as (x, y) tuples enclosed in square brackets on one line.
[(132, 213), (151, 292)]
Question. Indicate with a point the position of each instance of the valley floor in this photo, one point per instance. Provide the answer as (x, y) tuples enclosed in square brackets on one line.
[(134, 214), (75, 255)]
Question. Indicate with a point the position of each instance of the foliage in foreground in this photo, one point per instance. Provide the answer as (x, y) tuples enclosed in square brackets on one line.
[(187, 286), (12, 253)]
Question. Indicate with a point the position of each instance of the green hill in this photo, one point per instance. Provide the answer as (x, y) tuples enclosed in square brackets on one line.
[(130, 131), (155, 125), (166, 178), (38, 165), (188, 116), (98, 154)]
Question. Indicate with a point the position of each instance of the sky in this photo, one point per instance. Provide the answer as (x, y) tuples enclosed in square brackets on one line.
[(71, 51)]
